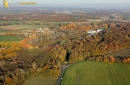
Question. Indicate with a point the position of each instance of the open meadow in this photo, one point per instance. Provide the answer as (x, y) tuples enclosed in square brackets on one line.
[(40, 81), (10, 38), (97, 73)]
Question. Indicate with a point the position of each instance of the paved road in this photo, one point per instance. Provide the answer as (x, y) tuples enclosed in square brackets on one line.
[(63, 68)]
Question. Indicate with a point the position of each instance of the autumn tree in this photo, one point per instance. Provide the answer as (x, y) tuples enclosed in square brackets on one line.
[(112, 25), (104, 25), (9, 81), (106, 59), (112, 59)]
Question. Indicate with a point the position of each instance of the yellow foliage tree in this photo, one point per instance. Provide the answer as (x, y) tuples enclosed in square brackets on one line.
[(9, 81), (112, 25)]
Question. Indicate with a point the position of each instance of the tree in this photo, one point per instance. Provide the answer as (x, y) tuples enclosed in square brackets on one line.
[(94, 25), (104, 26), (106, 59), (112, 59), (112, 25), (9, 81), (34, 66), (71, 26), (25, 22)]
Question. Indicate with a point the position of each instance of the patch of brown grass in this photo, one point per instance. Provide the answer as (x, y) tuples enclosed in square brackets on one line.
[(14, 27)]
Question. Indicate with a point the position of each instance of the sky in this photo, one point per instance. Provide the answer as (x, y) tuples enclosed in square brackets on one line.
[(75, 3)]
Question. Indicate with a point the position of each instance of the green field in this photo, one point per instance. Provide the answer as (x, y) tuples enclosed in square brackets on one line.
[(31, 25), (9, 38), (97, 73), (40, 81)]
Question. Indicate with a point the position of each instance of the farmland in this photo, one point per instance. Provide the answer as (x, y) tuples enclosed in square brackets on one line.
[(15, 27), (10, 38), (12, 25), (97, 73), (5, 30), (40, 81)]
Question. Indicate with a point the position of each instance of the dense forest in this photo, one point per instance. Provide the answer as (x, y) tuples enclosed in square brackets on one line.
[(112, 39)]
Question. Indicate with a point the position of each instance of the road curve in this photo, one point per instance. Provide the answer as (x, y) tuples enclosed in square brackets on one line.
[(63, 68)]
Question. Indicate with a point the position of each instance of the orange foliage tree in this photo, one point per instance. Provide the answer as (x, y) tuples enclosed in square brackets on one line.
[(112, 25)]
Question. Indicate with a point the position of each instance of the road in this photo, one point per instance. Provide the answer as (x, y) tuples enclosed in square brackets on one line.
[(63, 68)]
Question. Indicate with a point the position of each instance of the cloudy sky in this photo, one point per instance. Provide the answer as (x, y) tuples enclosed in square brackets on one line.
[(75, 3)]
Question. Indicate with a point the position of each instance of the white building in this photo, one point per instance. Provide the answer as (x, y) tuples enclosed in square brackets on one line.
[(98, 30), (94, 31), (91, 31), (43, 30)]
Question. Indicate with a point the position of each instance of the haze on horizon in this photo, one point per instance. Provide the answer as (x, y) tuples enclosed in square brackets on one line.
[(76, 3)]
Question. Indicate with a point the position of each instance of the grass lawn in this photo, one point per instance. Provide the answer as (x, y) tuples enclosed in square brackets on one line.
[(97, 73), (40, 81), (9, 38)]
